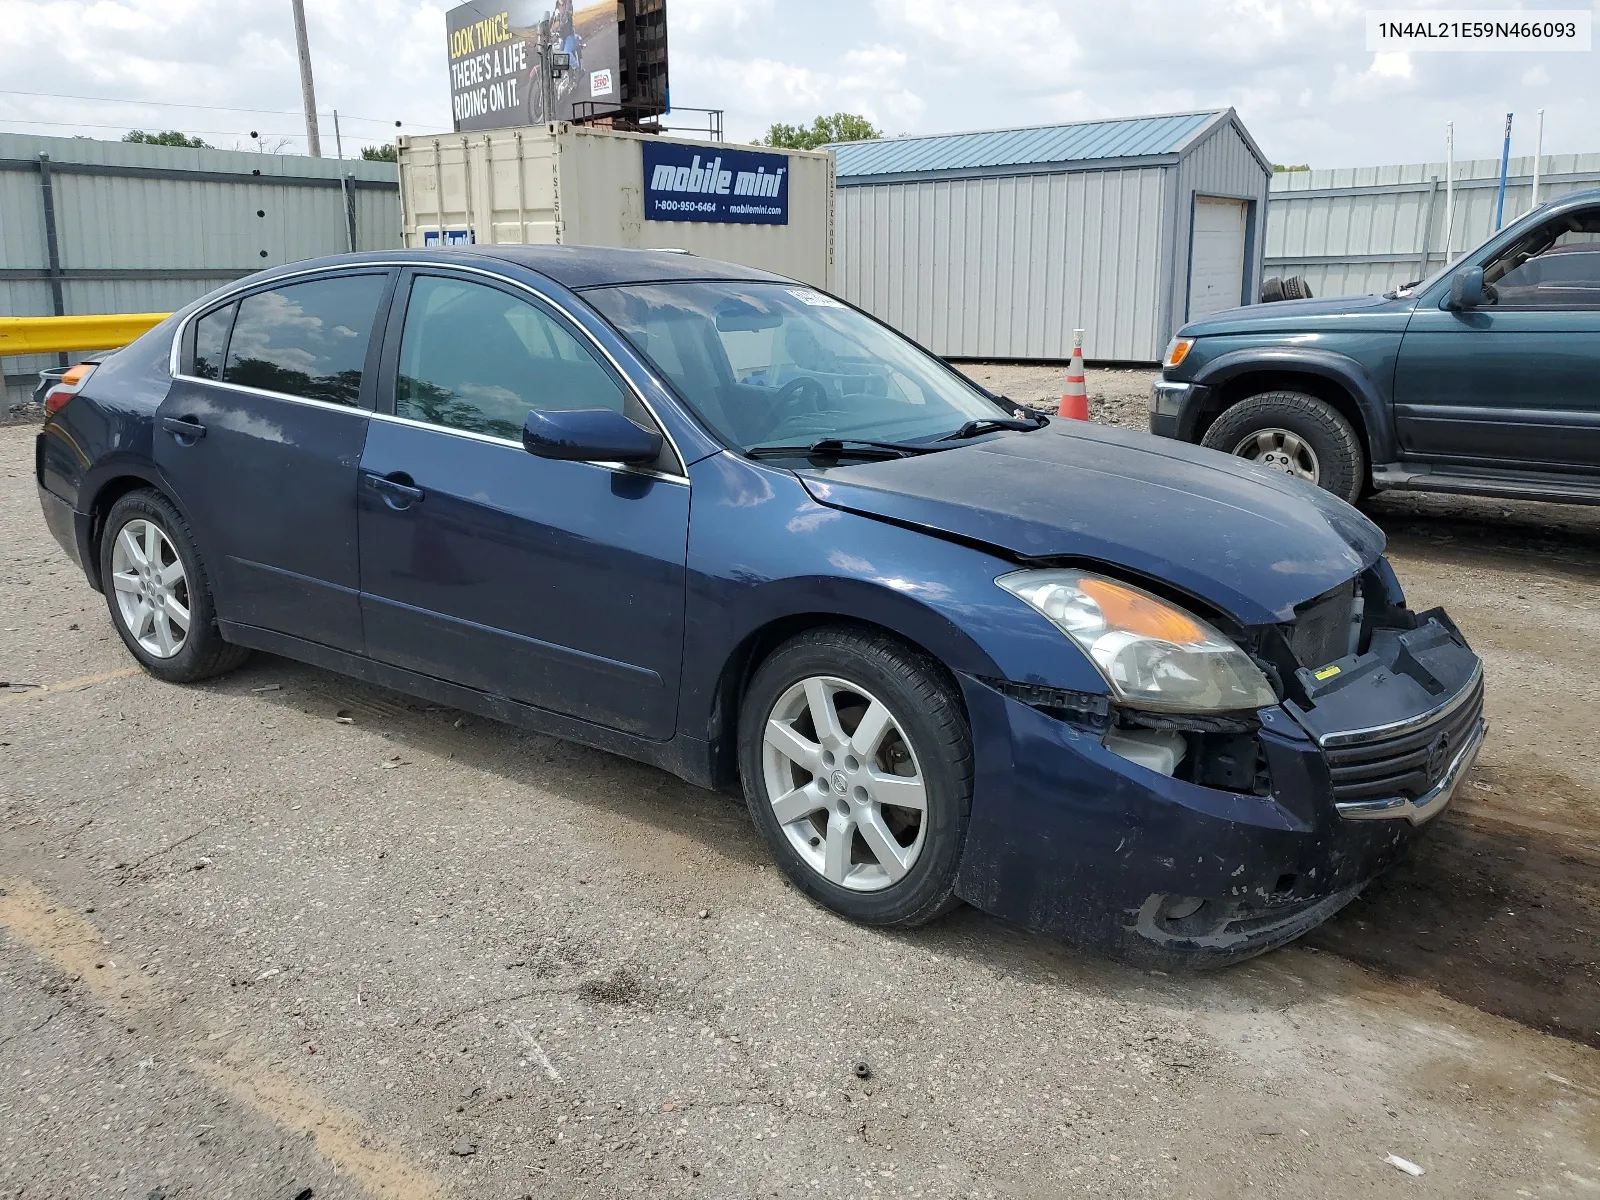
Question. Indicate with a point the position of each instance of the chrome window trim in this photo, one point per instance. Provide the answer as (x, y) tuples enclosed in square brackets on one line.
[(473, 435), (271, 395), (1355, 737), (175, 354)]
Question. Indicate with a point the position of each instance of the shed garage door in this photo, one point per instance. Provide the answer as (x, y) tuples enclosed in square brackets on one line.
[(1216, 256)]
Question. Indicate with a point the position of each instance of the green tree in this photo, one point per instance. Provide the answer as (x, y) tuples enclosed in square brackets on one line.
[(385, 153), (1291, 167), (170, 138), (841, 127)]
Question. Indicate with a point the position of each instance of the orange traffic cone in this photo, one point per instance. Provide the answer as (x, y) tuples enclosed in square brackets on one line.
[(1075, 400)]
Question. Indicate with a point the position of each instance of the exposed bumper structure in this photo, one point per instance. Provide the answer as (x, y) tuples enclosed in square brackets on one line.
[(1075, 841)]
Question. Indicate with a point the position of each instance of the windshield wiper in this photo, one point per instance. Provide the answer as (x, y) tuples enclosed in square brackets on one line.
[(842, 448), (990, 424)]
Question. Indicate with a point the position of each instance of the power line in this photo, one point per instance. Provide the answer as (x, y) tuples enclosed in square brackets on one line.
[(276, 112), (91, 125)]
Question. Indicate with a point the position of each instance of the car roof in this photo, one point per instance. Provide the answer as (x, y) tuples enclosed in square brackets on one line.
[(600, 266), (575, 267)]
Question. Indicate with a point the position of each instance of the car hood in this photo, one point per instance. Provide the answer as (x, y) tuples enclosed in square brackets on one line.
[(1262, 318), (1250, 542)]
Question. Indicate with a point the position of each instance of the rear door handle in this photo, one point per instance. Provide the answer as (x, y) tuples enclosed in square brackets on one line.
[(183, 427), (397, 489)]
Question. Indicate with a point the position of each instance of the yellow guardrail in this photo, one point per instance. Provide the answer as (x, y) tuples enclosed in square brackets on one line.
[(48, 335)]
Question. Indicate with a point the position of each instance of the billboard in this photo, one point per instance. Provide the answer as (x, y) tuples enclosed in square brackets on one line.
[(505, 68), (694, 183)]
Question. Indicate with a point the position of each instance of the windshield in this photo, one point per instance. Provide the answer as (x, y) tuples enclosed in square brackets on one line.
[(777, 364)]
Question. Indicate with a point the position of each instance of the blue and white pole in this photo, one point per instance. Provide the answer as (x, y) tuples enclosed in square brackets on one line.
[(1505, 161)]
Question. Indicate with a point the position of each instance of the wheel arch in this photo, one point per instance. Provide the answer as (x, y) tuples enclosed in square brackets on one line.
[(746, 657), (1335, 379), (110, 484)]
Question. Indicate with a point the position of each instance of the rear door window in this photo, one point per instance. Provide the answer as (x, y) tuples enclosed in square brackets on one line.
[(306, 339)]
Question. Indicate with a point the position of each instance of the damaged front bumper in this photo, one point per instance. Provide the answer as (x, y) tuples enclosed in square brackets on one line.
[(1075, 841)]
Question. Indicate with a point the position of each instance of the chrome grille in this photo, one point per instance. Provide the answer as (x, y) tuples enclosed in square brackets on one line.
[(1407, 762)]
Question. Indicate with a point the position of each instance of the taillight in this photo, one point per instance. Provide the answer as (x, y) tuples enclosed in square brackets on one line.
[(66, 388)]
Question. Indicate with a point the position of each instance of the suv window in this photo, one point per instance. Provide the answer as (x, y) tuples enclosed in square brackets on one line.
[(210, 340), (475, 358), (1556, 265), (306, 339)]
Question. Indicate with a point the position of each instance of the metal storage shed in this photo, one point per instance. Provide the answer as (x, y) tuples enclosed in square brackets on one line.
[(996, 245)]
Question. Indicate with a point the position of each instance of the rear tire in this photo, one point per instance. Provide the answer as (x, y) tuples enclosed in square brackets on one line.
[(1298, 434), (159, 593), (891, 734)]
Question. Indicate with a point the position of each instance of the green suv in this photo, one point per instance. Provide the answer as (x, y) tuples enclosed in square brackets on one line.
[(1484, 379)]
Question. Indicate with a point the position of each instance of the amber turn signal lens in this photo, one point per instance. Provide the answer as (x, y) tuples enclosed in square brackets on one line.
[(1133, 612), (1177, 352)]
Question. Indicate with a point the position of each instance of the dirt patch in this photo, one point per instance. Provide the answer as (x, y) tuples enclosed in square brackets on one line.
[(1500, 917), (1117, 396), (620, 987)]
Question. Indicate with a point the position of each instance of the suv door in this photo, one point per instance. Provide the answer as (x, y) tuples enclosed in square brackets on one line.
[(1516, 382), (557, 584), (260, 436)]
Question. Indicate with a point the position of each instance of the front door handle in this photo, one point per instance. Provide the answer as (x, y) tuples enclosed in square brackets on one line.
[(396, 489), (185, 429)]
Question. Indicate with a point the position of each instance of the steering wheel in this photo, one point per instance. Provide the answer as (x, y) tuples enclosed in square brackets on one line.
[(788, 413)]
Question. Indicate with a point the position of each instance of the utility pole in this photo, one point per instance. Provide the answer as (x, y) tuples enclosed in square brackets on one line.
[(308, 93)]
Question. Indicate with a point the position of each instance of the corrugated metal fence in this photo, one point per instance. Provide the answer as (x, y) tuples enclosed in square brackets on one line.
[(1368, 229), (106, 227)]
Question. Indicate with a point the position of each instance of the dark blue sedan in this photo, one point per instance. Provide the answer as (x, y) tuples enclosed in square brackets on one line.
[(1128, 692)]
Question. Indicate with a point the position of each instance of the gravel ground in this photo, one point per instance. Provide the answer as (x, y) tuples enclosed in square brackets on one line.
[(1117, 396), (250, 949)]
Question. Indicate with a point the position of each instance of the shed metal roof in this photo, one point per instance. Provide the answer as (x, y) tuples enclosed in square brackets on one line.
[(1127, 137)]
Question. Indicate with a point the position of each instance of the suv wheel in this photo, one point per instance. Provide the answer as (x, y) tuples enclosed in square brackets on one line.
[(158, 592), (1297, 434), (856, 761)]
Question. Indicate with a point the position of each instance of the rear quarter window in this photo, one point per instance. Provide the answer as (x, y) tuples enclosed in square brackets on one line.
[(210, 341)]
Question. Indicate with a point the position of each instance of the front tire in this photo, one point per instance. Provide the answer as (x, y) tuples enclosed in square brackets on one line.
[(856, 760), (1296, 434), (159, 594)]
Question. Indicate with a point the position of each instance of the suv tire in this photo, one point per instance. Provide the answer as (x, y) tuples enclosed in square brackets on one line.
[(151, 572), (1316, 439), (827, 839)]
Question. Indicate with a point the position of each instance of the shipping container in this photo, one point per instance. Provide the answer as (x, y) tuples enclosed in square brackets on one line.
[(578, 185)]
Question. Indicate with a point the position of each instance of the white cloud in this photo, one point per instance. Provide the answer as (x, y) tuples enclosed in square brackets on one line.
[(1297, 70)]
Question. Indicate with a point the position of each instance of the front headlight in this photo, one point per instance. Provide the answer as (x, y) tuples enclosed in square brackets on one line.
[(1153, 654)]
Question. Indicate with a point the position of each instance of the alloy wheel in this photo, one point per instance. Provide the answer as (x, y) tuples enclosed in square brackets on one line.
[(1280, 450), (844, 783), (151, 587)]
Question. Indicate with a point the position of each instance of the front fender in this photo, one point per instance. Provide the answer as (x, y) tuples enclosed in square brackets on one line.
[(762, 552), (1347, 372)]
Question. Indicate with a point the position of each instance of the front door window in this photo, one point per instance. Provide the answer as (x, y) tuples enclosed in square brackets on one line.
[(478, 359)]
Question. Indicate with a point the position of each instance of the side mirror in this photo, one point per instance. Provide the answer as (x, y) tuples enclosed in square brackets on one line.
[(1466, 289), (588, 435)]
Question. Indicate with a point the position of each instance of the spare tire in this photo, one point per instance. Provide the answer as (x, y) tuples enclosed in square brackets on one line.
[(1296, 288), (1271, 289)]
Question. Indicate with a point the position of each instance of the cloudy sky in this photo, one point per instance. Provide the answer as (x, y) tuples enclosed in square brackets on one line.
[(1297, 70)]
